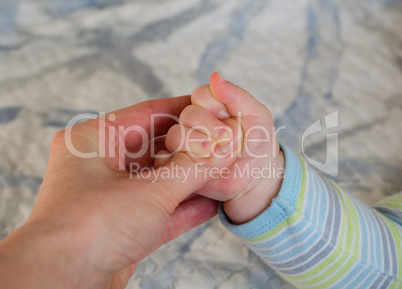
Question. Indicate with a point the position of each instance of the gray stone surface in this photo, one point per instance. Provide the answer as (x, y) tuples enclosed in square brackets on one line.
[(302, 58)]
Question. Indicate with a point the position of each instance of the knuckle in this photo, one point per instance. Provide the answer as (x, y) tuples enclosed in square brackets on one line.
[(189, 113), (211, 122), (174, 131), (198, 94), (58, 139), (173, 138), (57, 144), (241, 91), (186, 113), (58, 135), (263, 112), (164, 195)]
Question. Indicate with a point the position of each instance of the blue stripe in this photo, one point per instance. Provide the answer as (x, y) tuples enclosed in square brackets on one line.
[(325, 247), (315, 235), (306, 241)]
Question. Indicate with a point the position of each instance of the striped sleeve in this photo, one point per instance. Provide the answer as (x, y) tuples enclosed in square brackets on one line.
[(317, 236)]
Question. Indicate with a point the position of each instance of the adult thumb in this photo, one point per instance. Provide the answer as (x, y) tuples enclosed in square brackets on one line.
[(175, 178)]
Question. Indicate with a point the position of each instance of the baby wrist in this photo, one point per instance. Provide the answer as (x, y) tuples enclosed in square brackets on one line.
[(246, 207)]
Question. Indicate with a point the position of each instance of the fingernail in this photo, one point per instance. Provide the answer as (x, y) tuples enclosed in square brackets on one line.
[(223, 114)]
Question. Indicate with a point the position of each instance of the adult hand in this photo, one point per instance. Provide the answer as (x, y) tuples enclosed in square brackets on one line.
[(93, 222)]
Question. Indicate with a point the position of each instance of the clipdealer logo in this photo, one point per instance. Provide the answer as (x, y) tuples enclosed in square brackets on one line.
[(116, 135)]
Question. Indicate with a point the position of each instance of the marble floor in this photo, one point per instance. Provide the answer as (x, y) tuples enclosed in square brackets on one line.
[(304, 59)]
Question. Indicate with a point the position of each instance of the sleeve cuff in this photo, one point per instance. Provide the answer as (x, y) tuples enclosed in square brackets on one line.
[(282, 206)]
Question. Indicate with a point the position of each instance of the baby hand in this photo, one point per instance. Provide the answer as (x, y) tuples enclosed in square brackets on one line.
[(227, 130)]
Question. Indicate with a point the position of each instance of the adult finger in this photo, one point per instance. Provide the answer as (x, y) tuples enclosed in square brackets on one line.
[(154, 116), (127, 132)]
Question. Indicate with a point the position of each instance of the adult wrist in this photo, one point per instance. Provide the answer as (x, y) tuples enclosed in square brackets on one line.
[(36, 254)]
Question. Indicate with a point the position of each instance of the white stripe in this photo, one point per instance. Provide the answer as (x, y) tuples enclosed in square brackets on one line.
[(389, 243), (307, 191), (294, 246), (319, 200), (353, 279), (369, 236), (284, 240), (286, 228), (321, 272), (364, 280), (323, 247)]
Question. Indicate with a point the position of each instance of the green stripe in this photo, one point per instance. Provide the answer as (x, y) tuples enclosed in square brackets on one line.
[(391, 205), (342, 272), (345, 264), (287, 222), (303, 185), (291, 219), (352, 232), (394, 284), (325, 262), (353, 229), (350, 253), (396, 234), (394, 201)]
